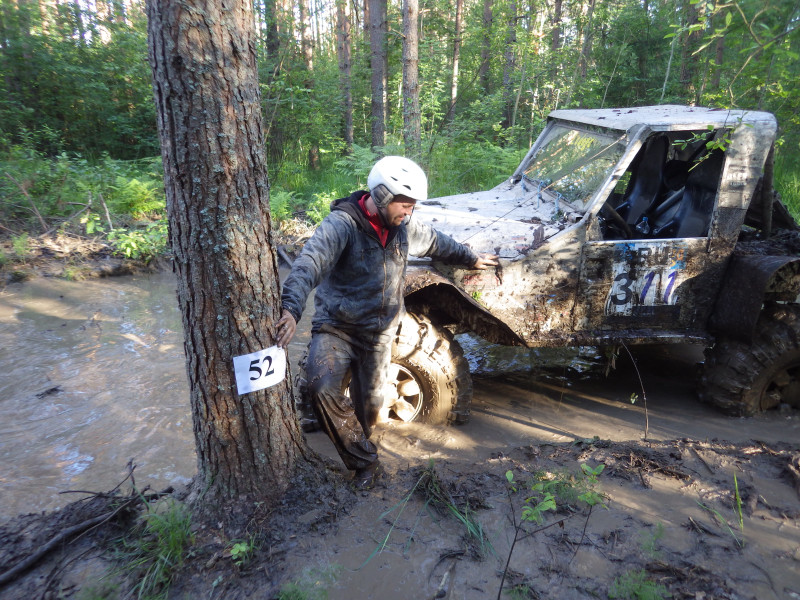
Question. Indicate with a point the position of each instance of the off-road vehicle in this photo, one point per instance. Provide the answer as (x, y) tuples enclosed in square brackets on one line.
[(648, 225)]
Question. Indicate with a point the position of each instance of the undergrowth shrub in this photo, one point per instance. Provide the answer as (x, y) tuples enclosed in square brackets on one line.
[(787, 183), (141, 244)]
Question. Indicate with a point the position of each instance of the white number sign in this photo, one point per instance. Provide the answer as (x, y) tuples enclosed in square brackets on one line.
[(259, 370)]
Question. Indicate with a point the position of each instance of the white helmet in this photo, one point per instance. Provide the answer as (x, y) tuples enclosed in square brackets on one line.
[(394, 176)]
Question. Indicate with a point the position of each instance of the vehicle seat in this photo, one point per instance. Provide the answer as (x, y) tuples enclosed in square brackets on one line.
[(647, 178), (691, 215)]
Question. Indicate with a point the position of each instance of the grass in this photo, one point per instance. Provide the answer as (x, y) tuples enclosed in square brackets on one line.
[(787, 183), (156, 548), (21, 245), (651, 541), (312, 584), (738, 499), (634, 585), (720, 520), (437, 496)]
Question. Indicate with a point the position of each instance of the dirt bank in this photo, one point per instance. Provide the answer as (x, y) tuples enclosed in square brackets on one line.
[(65, 255)]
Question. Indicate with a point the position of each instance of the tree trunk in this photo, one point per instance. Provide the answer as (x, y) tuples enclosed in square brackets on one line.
[(377, 43), (579, 75), (688, 59), (510, 64), (273, 37), (555, 42), (586, 51), (412, 136), (80, 28), (486, 46), (719, 58), (306, 43), (206, 90), (344, 47), (456, 58), (307, 47)]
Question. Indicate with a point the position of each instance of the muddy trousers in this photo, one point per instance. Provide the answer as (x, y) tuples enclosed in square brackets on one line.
[(348, 418)]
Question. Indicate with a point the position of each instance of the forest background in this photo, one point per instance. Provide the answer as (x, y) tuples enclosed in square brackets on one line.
[(78, 140)]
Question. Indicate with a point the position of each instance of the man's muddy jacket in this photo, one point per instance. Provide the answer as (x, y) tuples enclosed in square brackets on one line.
[(359, 282)]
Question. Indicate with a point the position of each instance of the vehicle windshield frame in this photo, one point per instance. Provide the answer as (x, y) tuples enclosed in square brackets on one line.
[(574, 183)]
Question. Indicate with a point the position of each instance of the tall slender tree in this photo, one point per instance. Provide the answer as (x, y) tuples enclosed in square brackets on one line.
[(345, 54), (486, 45), (377, 43), (456, 58), (412, 135), (509, 64)]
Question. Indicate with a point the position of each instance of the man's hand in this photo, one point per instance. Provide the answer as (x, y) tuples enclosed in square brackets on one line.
[(285, 327), (485, 261)]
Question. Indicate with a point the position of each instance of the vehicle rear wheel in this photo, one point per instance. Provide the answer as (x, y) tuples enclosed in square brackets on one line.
[(429, 378), (745, 379)]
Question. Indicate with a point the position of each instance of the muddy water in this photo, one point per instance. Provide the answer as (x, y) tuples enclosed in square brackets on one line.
[(92, 376)]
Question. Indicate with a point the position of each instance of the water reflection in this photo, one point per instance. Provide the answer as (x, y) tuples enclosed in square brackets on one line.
[(93, 376)]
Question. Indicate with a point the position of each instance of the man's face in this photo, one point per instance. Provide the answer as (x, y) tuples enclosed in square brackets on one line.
[(400, 208)]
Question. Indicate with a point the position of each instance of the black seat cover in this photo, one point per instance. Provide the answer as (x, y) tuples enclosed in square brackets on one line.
[(646, 180)]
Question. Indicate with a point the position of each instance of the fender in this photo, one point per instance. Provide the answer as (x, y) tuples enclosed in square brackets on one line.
[(428, 292), (751, 280)]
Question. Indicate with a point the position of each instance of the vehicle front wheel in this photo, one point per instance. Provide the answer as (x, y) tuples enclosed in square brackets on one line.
[(744, 379), (429, 374)]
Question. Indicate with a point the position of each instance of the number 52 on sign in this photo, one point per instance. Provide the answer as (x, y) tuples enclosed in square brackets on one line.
[(259, 370)]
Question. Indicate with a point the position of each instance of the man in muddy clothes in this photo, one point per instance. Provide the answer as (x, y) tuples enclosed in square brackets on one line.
[(358, 257)]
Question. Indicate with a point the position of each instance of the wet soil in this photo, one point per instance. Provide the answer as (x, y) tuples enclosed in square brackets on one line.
[(691, 517), (694, 505)]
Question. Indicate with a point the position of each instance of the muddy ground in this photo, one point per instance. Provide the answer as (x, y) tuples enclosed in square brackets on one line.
[(692, 505), (669, 522)]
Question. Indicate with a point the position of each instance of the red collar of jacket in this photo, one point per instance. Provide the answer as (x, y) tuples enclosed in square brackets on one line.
[(374, 220)]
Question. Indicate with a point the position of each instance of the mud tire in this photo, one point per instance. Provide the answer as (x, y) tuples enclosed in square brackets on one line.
[(437, 362), (745, 379)]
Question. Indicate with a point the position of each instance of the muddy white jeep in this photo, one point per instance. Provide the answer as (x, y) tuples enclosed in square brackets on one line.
[(647, 225)]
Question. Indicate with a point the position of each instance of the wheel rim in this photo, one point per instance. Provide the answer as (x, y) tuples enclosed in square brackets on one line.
[(783, 386), (406, 394)]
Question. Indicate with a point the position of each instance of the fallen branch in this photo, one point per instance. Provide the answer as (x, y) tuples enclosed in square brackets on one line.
[(108, 215), (66, 534), (75, 530), (30, 200)]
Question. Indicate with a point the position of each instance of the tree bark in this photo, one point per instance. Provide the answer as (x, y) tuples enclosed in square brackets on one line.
[(688, 59), (486, 46), (344, 47), (456, 58), (412, 136), (377, 43), (203, 57), (307, 47), (306, 41), (509, 65), (555, 40)]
